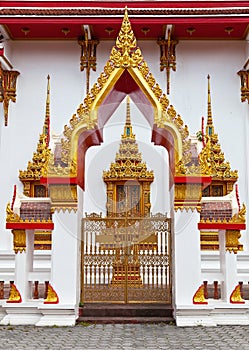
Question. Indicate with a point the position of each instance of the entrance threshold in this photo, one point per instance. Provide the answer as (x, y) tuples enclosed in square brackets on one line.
[(126, 313)]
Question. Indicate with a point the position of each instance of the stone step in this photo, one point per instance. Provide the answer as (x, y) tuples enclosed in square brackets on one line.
[(123, 320), (125, 313)]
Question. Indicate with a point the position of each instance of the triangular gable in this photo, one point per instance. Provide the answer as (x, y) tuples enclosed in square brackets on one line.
[(126, 72)]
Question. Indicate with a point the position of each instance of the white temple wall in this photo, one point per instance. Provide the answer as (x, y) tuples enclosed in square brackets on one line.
[(187, 263), (195, 59)]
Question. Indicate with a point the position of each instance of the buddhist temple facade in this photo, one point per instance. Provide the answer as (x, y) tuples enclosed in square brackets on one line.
[(123, 150)]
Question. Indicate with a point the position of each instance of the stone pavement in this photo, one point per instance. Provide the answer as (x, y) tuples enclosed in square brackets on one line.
[(124, 337)]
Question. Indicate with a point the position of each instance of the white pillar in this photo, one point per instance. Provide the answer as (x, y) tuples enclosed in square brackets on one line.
[(80, 196), (228, 266), (24, 265), (64, 258), (187, 257)]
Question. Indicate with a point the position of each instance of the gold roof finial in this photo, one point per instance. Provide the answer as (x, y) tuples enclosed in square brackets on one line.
[(210, 125), (126, 53), (46, 126), (126, 39)]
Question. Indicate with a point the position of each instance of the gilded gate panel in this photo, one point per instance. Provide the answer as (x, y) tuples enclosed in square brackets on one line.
[(126, 260)]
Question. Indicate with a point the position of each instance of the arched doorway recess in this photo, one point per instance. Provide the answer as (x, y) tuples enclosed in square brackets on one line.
[(126, 73), (126, 250)]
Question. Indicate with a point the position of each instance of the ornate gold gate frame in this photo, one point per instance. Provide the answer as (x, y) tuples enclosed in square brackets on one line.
[(126, 260)]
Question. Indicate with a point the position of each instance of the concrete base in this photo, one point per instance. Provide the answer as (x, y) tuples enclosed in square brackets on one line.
[(20, 314), (2, 311), (38, 314), (213, 314), (57, 315)]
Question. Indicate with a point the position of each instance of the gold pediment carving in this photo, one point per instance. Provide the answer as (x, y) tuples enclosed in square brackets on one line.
[(125, 55)]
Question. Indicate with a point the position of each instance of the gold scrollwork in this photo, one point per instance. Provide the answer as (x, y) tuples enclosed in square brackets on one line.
[(10, 215), (240, 218), (164, 102)]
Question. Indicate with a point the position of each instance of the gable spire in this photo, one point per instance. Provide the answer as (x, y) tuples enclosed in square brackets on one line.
[(128, 111), (128, 127), (41, 156), (46, 126), (210, 125), (218, 167)]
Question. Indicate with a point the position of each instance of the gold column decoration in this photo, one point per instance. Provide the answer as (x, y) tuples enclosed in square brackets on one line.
[(63, 196), (244, 79), (235, 297), (188, 196), (168, 56), (232, 241), (19, 240), (52, 297), (7, 89), (15, 296), (87, 56)]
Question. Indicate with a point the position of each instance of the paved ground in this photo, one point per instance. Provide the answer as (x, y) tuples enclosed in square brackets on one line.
[(124, 337)]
